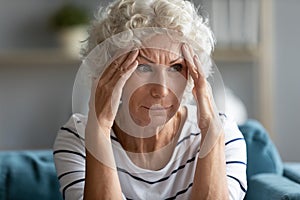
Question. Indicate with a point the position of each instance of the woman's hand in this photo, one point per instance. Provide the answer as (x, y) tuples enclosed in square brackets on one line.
[(110, 86), (102, 181), (207, 113), (210, 176)]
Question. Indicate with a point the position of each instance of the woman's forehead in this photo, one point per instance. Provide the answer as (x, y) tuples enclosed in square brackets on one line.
[(163, 42), (155, 55)]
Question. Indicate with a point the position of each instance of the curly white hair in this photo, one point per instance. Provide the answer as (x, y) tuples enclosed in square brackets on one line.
[(122, 15), (177, 15)]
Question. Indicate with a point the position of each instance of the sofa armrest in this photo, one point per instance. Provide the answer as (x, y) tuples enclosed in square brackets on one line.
[(28, 175), (268, 186), (292, 171)]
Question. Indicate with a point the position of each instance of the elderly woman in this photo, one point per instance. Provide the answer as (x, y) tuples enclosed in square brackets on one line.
[(152, 129)]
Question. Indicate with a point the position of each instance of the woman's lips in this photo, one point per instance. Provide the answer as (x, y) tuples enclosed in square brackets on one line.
[(157, 107)]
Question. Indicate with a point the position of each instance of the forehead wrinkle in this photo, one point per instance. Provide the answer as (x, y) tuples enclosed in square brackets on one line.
[(159, 56)]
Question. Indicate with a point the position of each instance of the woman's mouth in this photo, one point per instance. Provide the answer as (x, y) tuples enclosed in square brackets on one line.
[(157, 107)]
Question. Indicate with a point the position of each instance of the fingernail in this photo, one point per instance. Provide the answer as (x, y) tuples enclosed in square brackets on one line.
[(134, 50)]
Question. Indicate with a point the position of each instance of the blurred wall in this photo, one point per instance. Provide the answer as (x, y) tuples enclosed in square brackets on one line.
[(35, 99), (286, 79), (239, 77), (25, 24)]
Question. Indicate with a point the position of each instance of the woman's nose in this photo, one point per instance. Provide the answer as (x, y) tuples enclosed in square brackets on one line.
[(160, 78), (159, 91)]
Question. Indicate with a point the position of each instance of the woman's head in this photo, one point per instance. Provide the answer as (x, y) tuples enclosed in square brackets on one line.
[(128, 24), (154, 90), (177, 15)]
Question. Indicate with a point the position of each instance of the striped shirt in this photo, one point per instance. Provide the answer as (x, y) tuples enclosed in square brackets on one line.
[(173, 181)]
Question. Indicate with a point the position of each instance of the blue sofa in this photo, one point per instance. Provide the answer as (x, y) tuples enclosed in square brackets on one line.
[(28, 175), (268, 177)]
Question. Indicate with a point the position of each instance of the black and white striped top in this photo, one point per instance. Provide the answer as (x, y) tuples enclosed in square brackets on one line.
[(174, 181)]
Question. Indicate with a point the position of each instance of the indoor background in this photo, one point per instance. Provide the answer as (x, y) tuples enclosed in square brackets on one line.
[(257, 55)]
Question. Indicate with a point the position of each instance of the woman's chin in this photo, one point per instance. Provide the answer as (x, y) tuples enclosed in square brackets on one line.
[(154, 122), (152, 118)]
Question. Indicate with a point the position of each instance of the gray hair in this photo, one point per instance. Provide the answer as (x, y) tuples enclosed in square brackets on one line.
[(177, 15), (122, 15)]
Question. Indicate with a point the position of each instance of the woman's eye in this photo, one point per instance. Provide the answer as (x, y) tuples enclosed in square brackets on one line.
[(144, 68), (176, 68)]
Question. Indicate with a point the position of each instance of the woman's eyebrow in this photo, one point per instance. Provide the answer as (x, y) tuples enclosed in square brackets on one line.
[(151, 61), (173, 61)]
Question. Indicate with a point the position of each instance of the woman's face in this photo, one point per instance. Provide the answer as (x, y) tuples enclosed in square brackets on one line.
[(154, 91)]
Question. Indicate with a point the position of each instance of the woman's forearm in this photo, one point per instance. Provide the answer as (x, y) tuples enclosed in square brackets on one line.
[(101, 181), (210, 180)]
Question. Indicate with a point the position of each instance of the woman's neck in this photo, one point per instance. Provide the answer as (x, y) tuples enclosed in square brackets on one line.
[(154, 152), (160, 139)]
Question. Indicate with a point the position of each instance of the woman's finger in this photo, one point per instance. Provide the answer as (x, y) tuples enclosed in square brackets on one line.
[(198, 66), (126, 68), (189, 62), (114, 67), (201, 82), (110, 70), (195, 68), (201, 93), (117, 76)]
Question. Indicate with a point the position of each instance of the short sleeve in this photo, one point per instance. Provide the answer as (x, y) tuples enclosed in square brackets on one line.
[(236, 160), (69, 157)]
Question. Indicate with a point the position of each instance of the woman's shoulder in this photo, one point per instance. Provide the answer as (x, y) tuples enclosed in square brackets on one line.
[(230, 126), (231, 130), (191, 118), (71, 134), (76, 118)]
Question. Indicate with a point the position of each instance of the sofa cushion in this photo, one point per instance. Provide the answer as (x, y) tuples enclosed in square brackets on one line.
[(28, 175), (262, 154), (272, 186), (292, 171)]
